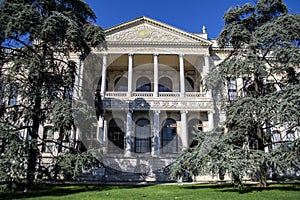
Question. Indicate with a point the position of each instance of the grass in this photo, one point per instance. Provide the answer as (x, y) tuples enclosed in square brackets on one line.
[(156, 192)]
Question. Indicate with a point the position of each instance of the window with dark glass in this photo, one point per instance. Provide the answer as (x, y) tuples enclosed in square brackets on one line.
[(48, 135), (143, 84), (276, 139), (121, 84), (165, 85), (116, 134), (231, 84), (169, 136), (142, 136)]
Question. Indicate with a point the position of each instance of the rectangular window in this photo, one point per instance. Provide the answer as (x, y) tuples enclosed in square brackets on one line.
[(276, 139), (47, 145), (231, 84)]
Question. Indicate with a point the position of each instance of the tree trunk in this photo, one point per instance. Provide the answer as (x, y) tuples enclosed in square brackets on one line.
[(33, 148), (259, 133), (263, 167)]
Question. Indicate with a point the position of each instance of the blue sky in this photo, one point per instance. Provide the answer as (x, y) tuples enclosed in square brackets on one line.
[(188, 15)]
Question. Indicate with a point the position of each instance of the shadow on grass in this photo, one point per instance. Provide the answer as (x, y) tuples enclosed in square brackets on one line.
[(247, 188), (59, 190)]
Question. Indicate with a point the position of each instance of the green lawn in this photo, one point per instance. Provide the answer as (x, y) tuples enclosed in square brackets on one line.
[(224, 192)]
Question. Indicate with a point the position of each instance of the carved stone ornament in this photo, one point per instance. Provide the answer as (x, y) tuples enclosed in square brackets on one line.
[(141, 104), (149, 33)]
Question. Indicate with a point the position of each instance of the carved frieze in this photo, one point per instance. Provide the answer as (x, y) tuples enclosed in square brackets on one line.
[(148, 33), (155, 104)]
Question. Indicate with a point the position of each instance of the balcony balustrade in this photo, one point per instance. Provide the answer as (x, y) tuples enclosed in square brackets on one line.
[(112, 94)]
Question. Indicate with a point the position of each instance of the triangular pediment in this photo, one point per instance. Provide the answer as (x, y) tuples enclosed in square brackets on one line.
[(144, 29)]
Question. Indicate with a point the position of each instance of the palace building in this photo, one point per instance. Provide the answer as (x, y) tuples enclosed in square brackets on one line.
[(149, 76)]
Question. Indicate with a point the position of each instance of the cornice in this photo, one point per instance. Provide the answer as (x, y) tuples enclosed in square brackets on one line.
[(157, 44)]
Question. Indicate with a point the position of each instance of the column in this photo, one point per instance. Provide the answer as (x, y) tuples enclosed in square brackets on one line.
[(130, 66), (205, 71), (210, 120), (155, 80), (78, 79), (129, 138), (156, 133), (100, 129), (104, 67), (184, 132), (181, 68)]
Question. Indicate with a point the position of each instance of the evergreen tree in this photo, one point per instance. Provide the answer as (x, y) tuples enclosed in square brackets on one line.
[(38, 40), (265, 54)]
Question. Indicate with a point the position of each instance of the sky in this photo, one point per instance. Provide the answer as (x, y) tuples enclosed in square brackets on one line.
[(188, 15)]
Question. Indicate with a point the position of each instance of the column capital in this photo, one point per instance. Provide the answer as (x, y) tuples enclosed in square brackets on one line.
[(181, 55), (184, 111), (156, 54), (130, 54), (210, 111), (105, 54), (156, 111)]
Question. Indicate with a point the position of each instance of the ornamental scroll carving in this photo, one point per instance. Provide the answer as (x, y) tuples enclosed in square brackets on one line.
[(142, 104), (147, 33)]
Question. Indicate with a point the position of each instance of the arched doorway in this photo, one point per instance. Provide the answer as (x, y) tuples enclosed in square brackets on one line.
[(142, 136), (169, 136)]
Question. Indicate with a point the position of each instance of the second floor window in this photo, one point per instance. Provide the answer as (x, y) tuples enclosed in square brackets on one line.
[(143, 84)]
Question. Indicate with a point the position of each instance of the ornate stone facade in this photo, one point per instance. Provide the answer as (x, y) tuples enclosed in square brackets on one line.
[(152, 95)]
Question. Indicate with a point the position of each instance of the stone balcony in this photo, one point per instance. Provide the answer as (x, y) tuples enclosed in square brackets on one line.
[(161, 101)]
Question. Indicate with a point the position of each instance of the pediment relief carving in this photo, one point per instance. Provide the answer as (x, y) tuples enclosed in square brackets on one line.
[(147, 33)]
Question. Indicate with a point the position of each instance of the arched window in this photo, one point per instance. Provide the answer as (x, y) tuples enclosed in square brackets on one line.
[(169, 136), (165, 85), (121, 84), (143, 84), (116, 135), (142, 136), (195, 125), (189, 84)]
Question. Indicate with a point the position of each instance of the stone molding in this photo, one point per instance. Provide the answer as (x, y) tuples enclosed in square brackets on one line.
[(142, 104)]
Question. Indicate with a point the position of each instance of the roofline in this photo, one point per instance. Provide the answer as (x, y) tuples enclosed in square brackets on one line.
[(164, 25)]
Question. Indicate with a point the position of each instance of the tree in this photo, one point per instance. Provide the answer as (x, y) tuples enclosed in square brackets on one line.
[(265, 55), (38, 40)]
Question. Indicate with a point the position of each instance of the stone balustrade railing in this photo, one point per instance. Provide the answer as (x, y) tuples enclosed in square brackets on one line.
[(112, 94)]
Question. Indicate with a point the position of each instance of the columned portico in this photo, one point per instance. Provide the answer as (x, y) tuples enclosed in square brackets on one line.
[(151, 89)]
